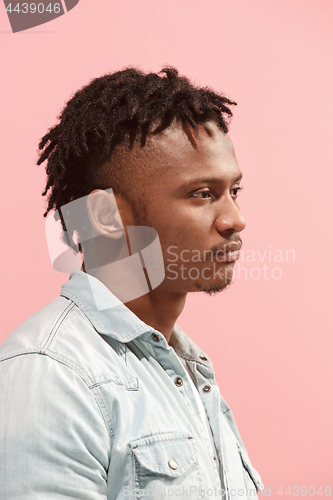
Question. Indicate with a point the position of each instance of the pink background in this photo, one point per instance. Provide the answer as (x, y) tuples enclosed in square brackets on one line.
[(270, 339)]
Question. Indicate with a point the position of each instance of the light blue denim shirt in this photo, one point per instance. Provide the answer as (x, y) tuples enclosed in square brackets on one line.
[(96, 405)]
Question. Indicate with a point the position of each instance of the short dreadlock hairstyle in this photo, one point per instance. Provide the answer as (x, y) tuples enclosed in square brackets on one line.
[(123, 107)]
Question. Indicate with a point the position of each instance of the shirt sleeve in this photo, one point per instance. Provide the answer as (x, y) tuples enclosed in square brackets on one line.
[(54, 443)]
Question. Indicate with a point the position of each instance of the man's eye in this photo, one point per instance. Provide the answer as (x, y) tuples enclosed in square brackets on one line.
[(202, 194), (234, 191)]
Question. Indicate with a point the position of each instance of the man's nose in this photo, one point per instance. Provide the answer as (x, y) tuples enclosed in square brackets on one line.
[(230, 217)]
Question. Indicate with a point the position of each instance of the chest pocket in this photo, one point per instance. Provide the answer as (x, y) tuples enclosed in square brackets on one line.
[(165, 465)]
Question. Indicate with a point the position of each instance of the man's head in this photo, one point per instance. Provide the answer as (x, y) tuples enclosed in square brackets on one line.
[(192, 204), (156, 140)]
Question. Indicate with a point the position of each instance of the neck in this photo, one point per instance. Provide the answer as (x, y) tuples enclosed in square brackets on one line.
[(159, 310)]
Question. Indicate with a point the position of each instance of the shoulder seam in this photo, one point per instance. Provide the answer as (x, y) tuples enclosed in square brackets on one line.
[(20, 353), (41, 349), (61, 319)]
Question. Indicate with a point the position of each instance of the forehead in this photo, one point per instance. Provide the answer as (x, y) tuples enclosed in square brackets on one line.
[(182, 154), (177, 139)]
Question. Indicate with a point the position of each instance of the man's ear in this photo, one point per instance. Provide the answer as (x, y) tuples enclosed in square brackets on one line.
[(104, 215)]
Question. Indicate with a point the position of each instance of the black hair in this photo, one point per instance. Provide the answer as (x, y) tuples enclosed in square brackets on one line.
[(126, 105)]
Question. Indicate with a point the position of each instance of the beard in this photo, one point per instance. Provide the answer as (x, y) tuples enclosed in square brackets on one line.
[(212, 289), (215, 289)]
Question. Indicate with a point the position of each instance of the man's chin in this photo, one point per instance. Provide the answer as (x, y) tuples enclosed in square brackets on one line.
[(213, 288)]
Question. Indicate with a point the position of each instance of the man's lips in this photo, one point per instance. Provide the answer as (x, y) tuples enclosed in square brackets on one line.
[(228, 253), (229, 248), (228, 256)]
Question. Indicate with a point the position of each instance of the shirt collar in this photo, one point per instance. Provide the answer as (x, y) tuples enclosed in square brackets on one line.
[(114, 319)]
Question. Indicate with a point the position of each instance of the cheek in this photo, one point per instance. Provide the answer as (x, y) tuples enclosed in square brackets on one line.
[(185, 235), (175, 223), (199, 224)]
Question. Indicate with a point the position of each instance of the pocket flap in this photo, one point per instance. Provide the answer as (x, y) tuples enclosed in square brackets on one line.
[(170, 453)]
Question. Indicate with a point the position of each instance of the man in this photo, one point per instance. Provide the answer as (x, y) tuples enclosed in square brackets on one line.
[(103, 396)]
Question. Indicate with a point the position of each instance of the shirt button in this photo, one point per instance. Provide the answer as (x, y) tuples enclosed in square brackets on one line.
[(207, 388), (203, 357), (172, 464), (155, 337), (178, 381)]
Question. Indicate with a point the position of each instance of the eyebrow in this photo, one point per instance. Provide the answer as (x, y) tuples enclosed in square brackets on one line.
[(206, 180)]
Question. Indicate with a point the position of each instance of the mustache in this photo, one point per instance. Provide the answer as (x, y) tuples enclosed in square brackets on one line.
[(229, 245)]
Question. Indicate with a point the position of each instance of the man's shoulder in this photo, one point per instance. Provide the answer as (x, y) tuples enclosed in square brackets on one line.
[(62, 331), (31, 335)]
